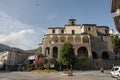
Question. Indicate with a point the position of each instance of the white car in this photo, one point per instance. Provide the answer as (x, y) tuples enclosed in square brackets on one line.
[(115, 72)]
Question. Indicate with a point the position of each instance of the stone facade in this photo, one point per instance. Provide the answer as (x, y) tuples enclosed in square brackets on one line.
[(88, 39)]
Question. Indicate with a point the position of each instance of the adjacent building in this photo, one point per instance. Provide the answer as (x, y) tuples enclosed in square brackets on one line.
[(11, 58), (115, 8), (88, 39)]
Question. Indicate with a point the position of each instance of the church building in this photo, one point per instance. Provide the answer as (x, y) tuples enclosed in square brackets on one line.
[(87, 39)]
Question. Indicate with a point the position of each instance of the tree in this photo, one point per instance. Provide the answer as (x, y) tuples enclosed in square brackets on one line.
[(83, 61), (115, 42), (67, 56)]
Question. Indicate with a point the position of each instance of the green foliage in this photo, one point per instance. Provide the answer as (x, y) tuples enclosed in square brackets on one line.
[(6, 47), (50, 62), (37, 50), (47, 66), (30, 67), (115, 42), (41, 67), (44, 70), (83, 61), (67, 56)]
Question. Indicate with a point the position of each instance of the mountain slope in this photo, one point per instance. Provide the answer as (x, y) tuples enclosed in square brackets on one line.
[(6, 47)]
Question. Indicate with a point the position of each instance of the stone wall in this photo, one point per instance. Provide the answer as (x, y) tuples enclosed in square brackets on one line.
[(106, 64)]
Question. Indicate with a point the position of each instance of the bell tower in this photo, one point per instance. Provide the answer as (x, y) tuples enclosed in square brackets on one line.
[(72, 21)]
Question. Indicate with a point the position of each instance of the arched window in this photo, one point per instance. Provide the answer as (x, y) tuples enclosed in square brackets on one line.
[(105, 55), (47, 52), (94, 55), (55, 52), (82, 51), (89, 28)]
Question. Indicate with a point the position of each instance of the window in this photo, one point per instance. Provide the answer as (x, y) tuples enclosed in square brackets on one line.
[(53, 31), (73, 32), (62, 31), (89, 29), (72, 23), (116, 69), (4, 61), (101, 38), (62, 40), (56, 40), (106, 32)]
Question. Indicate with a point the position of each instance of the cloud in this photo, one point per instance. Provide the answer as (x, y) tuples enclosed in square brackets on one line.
[(17, 34), (9, 24), (19, 39)]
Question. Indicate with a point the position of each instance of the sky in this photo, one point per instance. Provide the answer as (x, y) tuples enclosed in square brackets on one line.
[(23, 23)]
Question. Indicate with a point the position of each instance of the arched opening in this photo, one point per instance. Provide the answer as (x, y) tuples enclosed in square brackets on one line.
[(105, 55), (47, 52), (82, 51), (94, 55), (55, 52)]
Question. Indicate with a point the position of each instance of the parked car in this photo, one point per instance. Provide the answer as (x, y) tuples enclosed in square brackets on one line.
[(115, 72)]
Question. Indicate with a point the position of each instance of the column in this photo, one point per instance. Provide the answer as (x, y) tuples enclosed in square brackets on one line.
[(51, 39), (58, 38), (74, 38), (51, 52), (66, 38)]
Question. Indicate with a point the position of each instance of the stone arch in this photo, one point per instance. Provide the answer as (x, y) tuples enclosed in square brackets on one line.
[(105, 55), (85, 39), (55, 39), (47, 51), (82, 51), (55, 52), (94, 55)]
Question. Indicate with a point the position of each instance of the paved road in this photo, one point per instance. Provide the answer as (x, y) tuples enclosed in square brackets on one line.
[(93, 73), (79, 75)]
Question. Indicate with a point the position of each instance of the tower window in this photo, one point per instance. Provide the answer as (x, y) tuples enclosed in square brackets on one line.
[(73, 32), (72, 21), (89, 29)]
